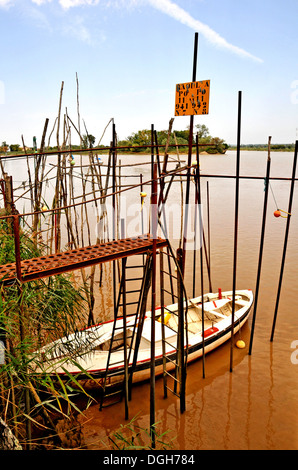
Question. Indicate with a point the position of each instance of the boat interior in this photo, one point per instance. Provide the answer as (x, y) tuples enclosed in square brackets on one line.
[(215, 310)]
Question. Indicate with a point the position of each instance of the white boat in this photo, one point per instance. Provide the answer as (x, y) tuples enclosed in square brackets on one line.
[(87, 351)]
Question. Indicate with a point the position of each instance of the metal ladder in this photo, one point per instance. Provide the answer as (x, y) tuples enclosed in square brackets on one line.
[(177, 376), (126, 310)]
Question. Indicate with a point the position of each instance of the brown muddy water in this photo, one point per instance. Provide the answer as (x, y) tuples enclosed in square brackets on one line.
[(256, 405)]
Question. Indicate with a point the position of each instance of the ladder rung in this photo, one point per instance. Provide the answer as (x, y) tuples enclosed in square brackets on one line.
[(128, 303), (166, 308), (170, 344), (170, 375), (169, 255), (127, 326), (113, 393), (171, 275), (141, 266), (112, 364), (171, 360), (113, 374), (171, 293), (175, 393), (112, 403), (117, 328)]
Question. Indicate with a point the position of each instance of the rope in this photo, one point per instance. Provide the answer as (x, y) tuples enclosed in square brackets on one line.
[(277, 208), (273, 195)]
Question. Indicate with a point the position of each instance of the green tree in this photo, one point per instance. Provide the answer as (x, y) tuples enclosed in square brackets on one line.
[(4, 147), (14, 147), (88, 141), (202, 131), (218, 146)]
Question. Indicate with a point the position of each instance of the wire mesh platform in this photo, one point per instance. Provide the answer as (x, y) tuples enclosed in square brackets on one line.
[(50, 265)]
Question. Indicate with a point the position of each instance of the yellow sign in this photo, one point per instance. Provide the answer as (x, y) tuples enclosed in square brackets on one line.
[(192, 98)]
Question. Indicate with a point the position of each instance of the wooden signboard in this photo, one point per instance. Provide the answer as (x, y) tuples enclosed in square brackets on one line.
[(192, 98)]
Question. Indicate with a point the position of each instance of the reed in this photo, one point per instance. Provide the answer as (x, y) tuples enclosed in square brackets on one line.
[(49, 308)]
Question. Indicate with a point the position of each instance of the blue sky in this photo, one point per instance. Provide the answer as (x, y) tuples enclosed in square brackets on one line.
[(130, 54)]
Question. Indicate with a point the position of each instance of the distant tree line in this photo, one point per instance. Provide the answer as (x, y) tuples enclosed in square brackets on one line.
[(138, 141), (276, 147)]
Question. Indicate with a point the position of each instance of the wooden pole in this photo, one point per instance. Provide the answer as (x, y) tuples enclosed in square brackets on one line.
[(285, 241), (189, 157), (180, 340), (124, 260), (153, 303), (162, 304), (236, 225), (261, 247), (209, 236), (198, 185), (114, 210)]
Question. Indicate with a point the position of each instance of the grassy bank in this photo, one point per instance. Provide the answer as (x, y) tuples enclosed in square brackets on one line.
[(264, 147)]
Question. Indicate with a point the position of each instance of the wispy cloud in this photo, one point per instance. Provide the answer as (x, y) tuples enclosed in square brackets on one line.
[(41, 2), (38, 17), (78, 30), (176, 12), (167, 7), (66, 4), (6, 3)]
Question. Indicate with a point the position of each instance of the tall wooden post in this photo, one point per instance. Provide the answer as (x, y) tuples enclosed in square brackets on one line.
[(153, 302), (236, 225), (181, 323), (285, 241), (267, 182), (190, 142)]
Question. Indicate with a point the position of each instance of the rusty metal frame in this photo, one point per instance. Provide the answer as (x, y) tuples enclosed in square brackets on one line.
[(50, 265)]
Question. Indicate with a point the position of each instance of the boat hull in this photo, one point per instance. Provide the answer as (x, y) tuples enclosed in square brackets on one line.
[(142, 371), (197, 346)]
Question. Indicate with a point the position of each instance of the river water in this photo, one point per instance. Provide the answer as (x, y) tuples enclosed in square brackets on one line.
[(256, 405)]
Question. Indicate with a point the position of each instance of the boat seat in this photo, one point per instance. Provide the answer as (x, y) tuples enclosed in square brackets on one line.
[(195, 327)]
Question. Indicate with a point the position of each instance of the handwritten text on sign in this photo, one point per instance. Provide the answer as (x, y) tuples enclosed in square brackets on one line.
[(192, 98)]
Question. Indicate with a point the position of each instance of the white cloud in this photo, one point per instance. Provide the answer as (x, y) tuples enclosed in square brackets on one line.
[(6, 3), (176, 12), (41, 2), (78, 30), (66, 4), (167, 7), (39, 18)]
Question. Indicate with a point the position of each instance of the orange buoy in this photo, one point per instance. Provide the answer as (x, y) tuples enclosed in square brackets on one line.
[(277, 213)]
